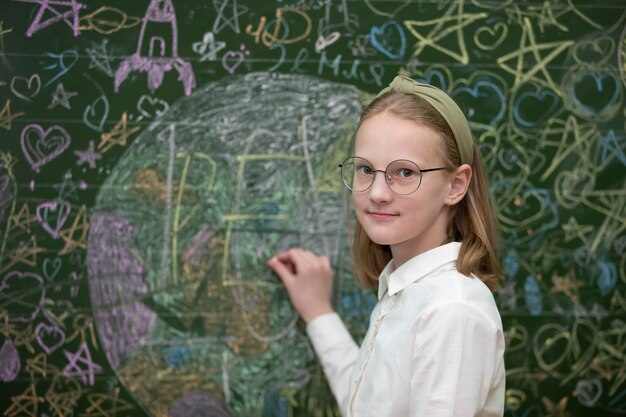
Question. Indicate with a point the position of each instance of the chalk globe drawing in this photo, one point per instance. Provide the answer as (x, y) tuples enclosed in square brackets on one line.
[(191, 319)]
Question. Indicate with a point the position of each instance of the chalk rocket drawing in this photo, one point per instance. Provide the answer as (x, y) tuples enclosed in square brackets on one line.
[(154, 55)]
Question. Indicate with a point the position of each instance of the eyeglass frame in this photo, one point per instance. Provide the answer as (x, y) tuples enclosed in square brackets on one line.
[(387, 177)]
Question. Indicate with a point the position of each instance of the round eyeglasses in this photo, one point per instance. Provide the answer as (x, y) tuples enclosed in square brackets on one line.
[(402, 176)]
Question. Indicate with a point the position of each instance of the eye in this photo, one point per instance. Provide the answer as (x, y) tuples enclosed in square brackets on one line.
[(405, 173), (364, 169)]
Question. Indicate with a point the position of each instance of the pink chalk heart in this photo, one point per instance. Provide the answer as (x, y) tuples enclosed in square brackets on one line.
[(52, 216), (50, 338), (40, 147), (231, 60)]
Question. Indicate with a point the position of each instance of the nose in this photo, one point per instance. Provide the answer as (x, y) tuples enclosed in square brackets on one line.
[(379, 191)]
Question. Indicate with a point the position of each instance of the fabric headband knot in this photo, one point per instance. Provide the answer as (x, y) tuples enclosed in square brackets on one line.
[(445, 106)]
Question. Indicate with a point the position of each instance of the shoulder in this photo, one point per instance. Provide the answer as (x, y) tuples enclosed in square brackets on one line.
[(450, 293)]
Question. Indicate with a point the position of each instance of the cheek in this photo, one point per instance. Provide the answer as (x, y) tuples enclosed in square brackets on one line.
[(359, 200)]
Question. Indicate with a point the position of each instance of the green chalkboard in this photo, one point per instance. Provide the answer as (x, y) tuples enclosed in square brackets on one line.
[(154, 153)]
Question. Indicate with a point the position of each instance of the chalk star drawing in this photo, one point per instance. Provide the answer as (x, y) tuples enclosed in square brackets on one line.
[(6, 117), (89, 156), (573, 140), (45, 5), (558, 409), (75, 236), (567, 285), (25, 253), (67, 189), (105, 405), (208, 47), (25, 404), (23, 218), (117, 136), (450, 24), (100, 58), (162, 56), (543, 15), (529, 49), (574, 230), (60, 97), (611, 148), (221, 21), (39, 364), (81, 357)]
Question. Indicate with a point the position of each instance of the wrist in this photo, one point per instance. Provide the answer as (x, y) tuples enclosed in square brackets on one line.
[(311, 315)]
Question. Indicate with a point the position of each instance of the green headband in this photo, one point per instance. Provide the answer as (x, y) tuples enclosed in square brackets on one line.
[(445, 106)]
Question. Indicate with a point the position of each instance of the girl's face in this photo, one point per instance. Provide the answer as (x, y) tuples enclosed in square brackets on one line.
[(409, 224)]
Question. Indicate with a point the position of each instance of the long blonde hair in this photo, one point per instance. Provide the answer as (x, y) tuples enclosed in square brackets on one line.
[(472, 220)]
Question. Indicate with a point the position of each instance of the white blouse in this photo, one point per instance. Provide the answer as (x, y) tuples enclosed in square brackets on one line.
[(434, 346)]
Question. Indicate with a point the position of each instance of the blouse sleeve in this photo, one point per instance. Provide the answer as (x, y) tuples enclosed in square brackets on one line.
[(337, 352), (457, 359)]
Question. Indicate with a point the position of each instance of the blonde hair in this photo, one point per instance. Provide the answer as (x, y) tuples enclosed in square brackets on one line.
[(472, 220)]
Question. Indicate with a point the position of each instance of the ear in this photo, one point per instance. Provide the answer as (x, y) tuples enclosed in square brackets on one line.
[(459, 184)]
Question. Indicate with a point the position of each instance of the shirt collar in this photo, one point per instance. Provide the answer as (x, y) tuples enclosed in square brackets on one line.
[(395, 280)]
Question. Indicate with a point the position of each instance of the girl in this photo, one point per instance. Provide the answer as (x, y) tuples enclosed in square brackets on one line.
[(425, 238)]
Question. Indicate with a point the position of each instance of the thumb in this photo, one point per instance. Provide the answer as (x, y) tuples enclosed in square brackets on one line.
[(281, 270)]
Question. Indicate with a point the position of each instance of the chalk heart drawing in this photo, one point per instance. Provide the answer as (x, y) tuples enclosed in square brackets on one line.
[(437, 77), (9, 361), (51, 268), (41, 146), (151, 107), (22, 294), (473, 97), (95, 114), (533, 108), (49, 337), (389, 39), (26, 88), (231, 60), (596, 51), (52, 216), (487, 37), (597, 92)]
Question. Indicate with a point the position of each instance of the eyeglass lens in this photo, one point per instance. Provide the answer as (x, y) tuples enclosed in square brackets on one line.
[(402, 176)]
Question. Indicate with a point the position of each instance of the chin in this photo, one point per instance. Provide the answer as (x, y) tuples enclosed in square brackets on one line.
[(380, 238)]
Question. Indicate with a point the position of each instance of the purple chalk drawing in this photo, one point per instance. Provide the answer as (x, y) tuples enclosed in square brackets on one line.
[(52, 215), (55, 14), (80, 365), (117, 287), (22, 294), (159, 57), (40, 147), (198, 404), (50, 338), (232, 59), (9, 362)]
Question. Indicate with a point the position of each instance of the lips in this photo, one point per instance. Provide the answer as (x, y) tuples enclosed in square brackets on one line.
[(381, 215)]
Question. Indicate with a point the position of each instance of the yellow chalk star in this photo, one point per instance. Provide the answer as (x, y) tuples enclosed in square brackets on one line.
[(450, 24), (574, 230), (530, 49)]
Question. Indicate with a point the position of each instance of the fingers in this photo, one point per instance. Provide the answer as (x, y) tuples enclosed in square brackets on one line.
[(297, 262)]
